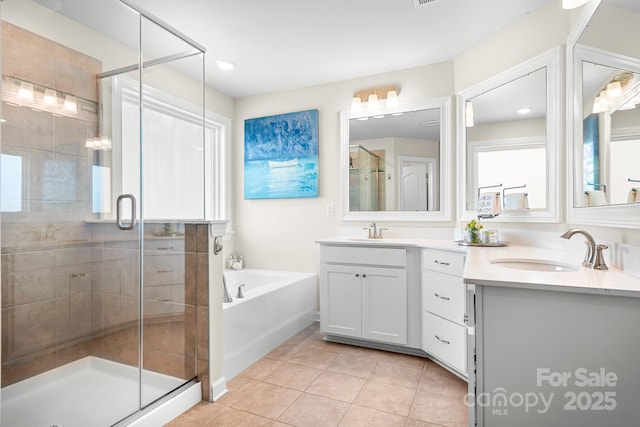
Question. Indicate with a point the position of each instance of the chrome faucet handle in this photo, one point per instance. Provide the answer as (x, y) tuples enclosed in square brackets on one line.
[(589, 256), (380, 236), (368, 229), (240, 294), (599, 263)]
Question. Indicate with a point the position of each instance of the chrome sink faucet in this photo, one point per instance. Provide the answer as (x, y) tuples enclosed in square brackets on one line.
[(593, 258)]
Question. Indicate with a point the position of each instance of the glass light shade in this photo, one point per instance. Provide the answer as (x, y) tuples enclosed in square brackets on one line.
[(604, 100), (392, 99), (572, 4), (70, 104), (468, 114), (372, 103), (356, 105), (597, 106), (26, 91), (50, 97), (614, 90)]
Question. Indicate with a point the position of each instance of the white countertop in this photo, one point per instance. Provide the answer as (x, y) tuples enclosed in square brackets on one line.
[(479, 270)]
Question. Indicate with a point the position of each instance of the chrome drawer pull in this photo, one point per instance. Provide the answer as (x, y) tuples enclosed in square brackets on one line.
[(165, 271), (165, 248), (441, 340), (440, 262), (441, 297)]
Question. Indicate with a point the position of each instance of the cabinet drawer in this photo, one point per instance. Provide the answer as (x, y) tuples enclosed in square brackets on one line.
[(443, 262), (392, 257), (443, 295), (445, 340)]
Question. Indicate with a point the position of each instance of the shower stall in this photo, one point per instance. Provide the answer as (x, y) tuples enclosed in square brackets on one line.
[(104, 170), (367, 184)]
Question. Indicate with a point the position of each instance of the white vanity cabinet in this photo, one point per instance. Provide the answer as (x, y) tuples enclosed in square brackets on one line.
[(363, 293), (444, 321)]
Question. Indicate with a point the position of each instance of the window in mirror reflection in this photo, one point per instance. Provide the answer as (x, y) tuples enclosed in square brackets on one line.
[(514, 168), (393, 162), (11, 179), (507, 142)]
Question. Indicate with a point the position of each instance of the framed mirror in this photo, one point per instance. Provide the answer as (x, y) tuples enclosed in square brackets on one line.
[(604, 131), (396, 163), (508, 142)]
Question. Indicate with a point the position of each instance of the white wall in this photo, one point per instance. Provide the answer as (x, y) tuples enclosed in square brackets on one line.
[(280, 233)]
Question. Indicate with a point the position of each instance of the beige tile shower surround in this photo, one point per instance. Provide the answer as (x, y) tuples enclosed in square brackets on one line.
[(308, 382), (69, 287)]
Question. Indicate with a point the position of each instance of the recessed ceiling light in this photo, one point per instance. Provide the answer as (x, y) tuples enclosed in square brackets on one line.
[(525, 110), (226, 65)]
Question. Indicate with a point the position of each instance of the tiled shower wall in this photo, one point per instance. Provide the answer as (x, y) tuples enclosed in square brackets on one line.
[(70, 286), (46, 261)]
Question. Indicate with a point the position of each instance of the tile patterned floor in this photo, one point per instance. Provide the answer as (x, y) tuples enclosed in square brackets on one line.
[(308, 382)]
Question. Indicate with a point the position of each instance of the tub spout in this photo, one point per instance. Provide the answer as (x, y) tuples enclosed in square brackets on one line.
[(225, 296)]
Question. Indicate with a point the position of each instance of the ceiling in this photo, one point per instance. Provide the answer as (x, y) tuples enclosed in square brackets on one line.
[(282, 45)]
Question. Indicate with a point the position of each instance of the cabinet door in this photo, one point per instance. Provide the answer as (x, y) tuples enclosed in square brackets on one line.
[(341, 300), (384, 304)]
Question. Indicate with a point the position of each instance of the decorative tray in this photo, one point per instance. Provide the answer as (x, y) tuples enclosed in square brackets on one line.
[(488, 245)]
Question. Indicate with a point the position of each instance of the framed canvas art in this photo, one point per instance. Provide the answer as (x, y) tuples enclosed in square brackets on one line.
[(281, 156)]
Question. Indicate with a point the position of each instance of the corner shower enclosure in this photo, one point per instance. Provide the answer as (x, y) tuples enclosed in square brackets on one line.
[(103, 166)]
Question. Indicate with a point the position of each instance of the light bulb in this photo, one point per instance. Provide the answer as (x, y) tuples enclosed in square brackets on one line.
[(50, 97), (372, 103), (26, 91), (468, 114), (70, 104), (356, 105), (614, 90), (392, 99)]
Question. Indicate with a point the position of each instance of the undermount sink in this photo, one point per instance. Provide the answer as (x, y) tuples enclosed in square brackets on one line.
[(534, 264)]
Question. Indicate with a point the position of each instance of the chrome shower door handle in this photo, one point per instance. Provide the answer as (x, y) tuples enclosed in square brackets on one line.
[(119, 223)]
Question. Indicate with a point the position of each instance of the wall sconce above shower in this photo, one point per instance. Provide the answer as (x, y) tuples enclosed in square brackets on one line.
[(369, 101), (23, 93)]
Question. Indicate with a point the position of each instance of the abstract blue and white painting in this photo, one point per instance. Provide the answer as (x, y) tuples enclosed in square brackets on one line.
[(281, 156)]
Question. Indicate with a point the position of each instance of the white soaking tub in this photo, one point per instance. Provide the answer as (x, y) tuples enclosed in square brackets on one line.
[(276, 306)]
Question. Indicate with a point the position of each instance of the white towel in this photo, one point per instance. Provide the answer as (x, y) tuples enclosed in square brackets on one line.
[(634, 195), (489, 204), (595, 198), (516, 201)]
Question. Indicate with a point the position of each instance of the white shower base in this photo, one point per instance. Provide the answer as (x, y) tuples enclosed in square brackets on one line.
[(92, 392)]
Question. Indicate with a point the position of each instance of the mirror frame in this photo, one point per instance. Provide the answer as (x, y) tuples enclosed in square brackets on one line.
[(444, 214), (550, 60), (619, 216)]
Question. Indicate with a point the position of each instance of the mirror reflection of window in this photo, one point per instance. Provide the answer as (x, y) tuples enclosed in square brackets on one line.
[(11, 179), (507, 142), (514, 168)]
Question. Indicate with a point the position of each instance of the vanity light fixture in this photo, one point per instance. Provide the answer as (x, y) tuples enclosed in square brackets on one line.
[(468, 114), (369, 100), (611, 95), (572, 4)]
